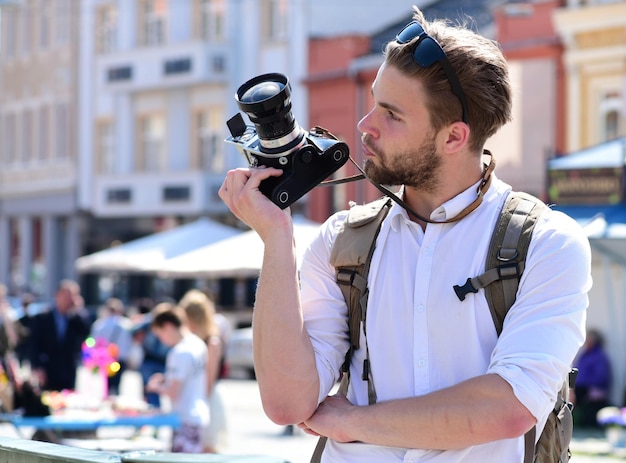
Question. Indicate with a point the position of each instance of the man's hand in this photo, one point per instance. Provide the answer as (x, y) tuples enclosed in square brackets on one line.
[(240, 191), (328, 419)]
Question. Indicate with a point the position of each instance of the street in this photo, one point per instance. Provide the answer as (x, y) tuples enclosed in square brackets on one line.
[(250, 432)]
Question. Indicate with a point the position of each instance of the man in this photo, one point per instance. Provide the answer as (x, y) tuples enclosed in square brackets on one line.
[(57, 336), (449, 389)]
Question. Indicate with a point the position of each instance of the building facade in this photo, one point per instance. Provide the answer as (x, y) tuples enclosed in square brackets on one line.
[(114, 130)]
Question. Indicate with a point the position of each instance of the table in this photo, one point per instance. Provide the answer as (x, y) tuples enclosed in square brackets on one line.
[(53, 427)]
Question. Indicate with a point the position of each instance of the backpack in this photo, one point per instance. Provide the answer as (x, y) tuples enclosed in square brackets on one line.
[(351, 256)]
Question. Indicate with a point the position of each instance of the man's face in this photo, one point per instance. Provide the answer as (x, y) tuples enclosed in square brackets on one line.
[(64, 299), (399, 143)]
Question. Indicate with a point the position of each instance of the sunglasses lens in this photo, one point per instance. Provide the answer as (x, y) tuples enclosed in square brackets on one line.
[(428, 52), (409, 32)]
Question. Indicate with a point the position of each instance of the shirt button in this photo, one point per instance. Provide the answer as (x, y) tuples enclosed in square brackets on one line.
[(421, 363), (420, 308)]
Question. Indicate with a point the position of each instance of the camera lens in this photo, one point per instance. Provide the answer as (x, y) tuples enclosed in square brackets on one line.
[(266, 99)]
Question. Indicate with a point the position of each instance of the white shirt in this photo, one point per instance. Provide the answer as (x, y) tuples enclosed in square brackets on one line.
[(186, 363), (422, 338)]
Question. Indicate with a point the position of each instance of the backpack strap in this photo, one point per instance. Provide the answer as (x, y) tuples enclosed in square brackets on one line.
[(506, 258), (351, 256)]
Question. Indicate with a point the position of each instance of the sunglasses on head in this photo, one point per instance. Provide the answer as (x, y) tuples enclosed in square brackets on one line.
[(426, 52)]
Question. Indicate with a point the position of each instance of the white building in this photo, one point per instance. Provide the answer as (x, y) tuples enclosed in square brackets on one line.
[(141, 92)]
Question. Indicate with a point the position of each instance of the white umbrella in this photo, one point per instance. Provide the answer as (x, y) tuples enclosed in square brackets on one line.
[(239, 256), (145, 255)]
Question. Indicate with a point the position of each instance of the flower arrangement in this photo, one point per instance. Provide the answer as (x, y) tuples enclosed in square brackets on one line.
[(100, 356)]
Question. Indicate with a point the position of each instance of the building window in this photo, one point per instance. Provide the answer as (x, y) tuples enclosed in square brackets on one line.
[(106, 29), (9, 32), (212, 20), (9, 138), (44, 23), (119, 195), (27, 136), (210, 141), (177, 66), (610, 117), (275, 16), (105, 147), (44, 133), (62, 131), (152, 144), (152, 22), (26, 20), (176, 193), (63, 21), (120, 73)]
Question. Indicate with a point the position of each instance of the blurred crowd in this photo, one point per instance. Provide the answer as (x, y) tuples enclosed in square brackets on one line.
[(178, 347)]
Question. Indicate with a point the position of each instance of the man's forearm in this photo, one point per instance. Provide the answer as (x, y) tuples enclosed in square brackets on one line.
[(480, 410), (283, 354)]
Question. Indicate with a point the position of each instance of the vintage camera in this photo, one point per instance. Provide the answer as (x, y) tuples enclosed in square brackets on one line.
[(276, 140)]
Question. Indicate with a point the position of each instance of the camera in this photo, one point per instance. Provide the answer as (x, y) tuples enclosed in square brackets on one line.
[(276, 140)]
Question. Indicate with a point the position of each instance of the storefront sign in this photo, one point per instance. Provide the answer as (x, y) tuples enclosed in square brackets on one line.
[(586, 186)]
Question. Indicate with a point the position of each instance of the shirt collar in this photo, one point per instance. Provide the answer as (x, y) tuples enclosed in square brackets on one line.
[(448, 209)]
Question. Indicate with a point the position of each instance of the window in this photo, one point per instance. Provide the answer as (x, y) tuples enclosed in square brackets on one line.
[(105, 148), (27, 135), (9, 138), (9, 32), (106, 29), (610, 118), (152, 22), (62, 131), (152, 144), (210, 141), (44, 133), (63, 21), (275, 16), (212, 20), (25, 12), (44, 23)]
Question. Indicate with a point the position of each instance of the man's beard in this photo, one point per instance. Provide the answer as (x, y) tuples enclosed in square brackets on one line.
[(417, 169)]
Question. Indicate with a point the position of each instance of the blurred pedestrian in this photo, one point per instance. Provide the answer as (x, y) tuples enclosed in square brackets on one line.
[(154, 352), (57, 336), (201, 319), (184, 380), (23, 328), (114, 327), (593, 384)]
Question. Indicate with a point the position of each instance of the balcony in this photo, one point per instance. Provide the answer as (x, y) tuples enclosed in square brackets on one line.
[(149, 194), (162, 67)]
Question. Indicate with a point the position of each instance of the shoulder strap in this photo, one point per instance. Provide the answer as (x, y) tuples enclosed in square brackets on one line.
[(351, 256), (508, 250), (506, 257)]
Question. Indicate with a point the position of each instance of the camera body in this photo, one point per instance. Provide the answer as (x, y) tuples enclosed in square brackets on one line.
[(275, 140)]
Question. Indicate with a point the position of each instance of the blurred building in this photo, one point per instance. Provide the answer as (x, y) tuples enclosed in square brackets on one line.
[(113, 115)]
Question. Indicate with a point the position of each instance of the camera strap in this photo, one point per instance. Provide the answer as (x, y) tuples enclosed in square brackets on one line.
[(482, 189)]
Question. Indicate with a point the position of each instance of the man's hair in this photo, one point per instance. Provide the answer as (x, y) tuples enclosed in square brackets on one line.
[(167, 313), (482, 72)]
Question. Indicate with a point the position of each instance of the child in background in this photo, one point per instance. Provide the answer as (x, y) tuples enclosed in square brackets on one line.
[(184, 380)]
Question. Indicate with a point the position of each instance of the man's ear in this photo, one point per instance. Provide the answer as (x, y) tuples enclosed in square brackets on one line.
[(455, 137)]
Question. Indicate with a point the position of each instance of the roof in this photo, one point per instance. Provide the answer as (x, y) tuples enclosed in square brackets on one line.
[(605, 155), (476, 14)]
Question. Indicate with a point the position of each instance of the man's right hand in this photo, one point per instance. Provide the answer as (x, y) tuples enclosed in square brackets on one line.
[(240, 191)]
